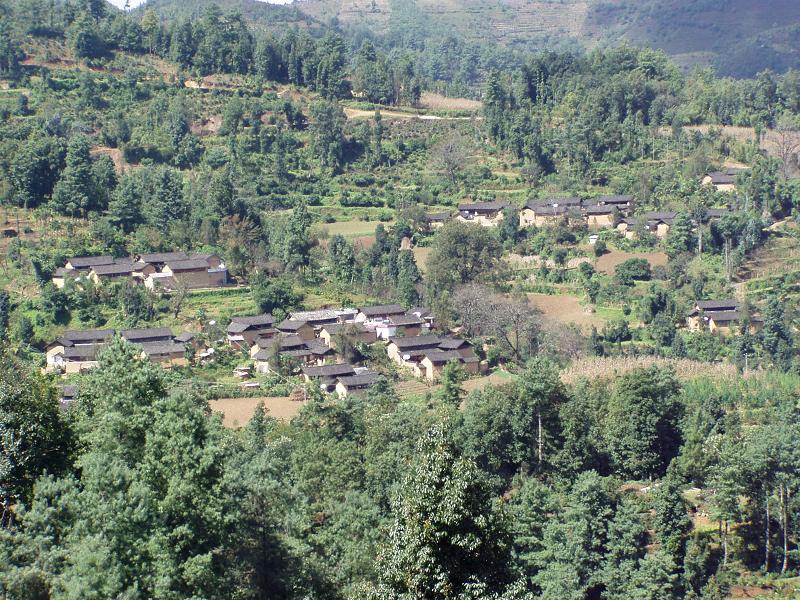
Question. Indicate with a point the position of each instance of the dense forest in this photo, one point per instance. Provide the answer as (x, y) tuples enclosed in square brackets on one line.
[(614, 441)]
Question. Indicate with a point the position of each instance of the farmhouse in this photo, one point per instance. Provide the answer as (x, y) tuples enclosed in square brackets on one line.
[(402, 325), (62, 274), (488, 214), (85, 263), (168, 353), (72, 338), (405, 350), (357, 331), (194, 273), (548, 212), (601, 216), (117, 271), (657, 223), (721, 181), (355, 384), (624, 204), (437, 220), (159, 259), (721, 317), (318, 318), (244, 331), (694, 318), (379, 313), (433, 363), (297, 327), (326, 375), (149, 335), (78, 359)]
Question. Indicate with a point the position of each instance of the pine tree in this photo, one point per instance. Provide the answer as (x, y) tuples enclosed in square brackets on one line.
[(75, 193)]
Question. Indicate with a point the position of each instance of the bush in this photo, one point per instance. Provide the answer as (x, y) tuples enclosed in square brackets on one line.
[(633, 269)]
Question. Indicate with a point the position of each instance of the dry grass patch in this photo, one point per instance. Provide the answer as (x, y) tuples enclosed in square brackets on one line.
[(434, 101), (566, 309), (612, 367), (237, 412), (609, 261)]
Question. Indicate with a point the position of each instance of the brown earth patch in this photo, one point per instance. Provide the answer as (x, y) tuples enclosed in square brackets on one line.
[(435, 101), (566, 309), (237, 412), (116, 156), (609, 261)]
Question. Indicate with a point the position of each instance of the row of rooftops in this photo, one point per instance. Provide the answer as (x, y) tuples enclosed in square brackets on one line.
[(720, 311), (107, 265), (79, 337)]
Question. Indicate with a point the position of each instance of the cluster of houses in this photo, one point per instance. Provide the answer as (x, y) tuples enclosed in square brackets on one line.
[(161, 271), (308, 340), (77, 351), (605, 212), (721, 317)]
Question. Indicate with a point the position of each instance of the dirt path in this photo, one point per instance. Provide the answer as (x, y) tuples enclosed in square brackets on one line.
[(357, 113)]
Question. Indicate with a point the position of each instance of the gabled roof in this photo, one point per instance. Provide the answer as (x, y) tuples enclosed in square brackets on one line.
[(420, 341), (83, 353), (291, 325), (65, 272), (336, 328), (84, 262), (718, 213), (405, 320), (538, 204), (125, 268), (729, 303), (487, 207), (185, 337), (255, 322), (721, 178), (86, 335), (453, 343), (664, 216), (439, 357), (327, 371), (192, 264), (382, 310), (439, 217), (162, 348), (420, 311), (318, 347), (725, 316), (600, 210), (627, 199), (545, 210), (163, 257), (359, 381), (146, 333)]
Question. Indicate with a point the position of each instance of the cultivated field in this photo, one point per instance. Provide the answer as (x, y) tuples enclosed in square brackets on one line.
[(236, 412), (434, 101), (566, 309), (609, 261), (610, 367)]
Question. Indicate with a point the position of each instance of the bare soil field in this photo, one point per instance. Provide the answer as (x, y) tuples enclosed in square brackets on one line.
[(433, 101), (609, 261), (236, 412), (566, 309)]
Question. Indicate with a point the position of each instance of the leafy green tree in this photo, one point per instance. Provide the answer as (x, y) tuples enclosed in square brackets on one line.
[(531, 509), (642, 423), (5, 313), (76, 192), (447, 536), (33, 437), (297, 249), (461, 253), (83, 38), (271, 294), (408, 277), (453, 375), (775, 335), (627, 542), (35, 168), (631, 270), (680, 236), (330, 82), (327, 131), (671, 518)]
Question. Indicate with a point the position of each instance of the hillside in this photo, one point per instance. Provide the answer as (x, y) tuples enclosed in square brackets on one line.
[(738, 37)]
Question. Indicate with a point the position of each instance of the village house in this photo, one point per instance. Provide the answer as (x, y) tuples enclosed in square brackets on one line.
[(67, 395), (297, 327), (325, 376), (54, 351), (623, 204), (358, 331), (244, 331), (657, 223), (291, 348), (464, 347), (379, 313), (402, 325), (426, 314), (407, 351), (62, 274), (721, 317), (159, 259), (437, 220), (147, 335), (721, 181), (434, 361), (601, 216), (355, 384), (85, 263), (488, 214), (77, 359), (327, 316), (166, 353), (194, 273), (119, 271), (548, 212)]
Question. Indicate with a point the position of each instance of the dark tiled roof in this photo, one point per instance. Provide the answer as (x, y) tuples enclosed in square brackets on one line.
[(614, 199), (383, 309), (718, 213), (720, 178), (422, 341), (599, 210), (193, 264), (255, 322), (439, 217), (138, 334), (405, 320), (336, 328), (185, 337), (125, 268), (84, 262), (291, 325), (453, 343), (665, 216), (488, 207), (329, 371), (318, 347), (64, 272), (724, 316), (359, 381), (87, 335), (163, 257), (162, 348), (541, 203), (729, 303), (546, 210), (438, 357), (83, 353)]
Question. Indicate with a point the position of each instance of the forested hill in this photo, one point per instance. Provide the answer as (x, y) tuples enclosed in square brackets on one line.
[(738, 37)]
